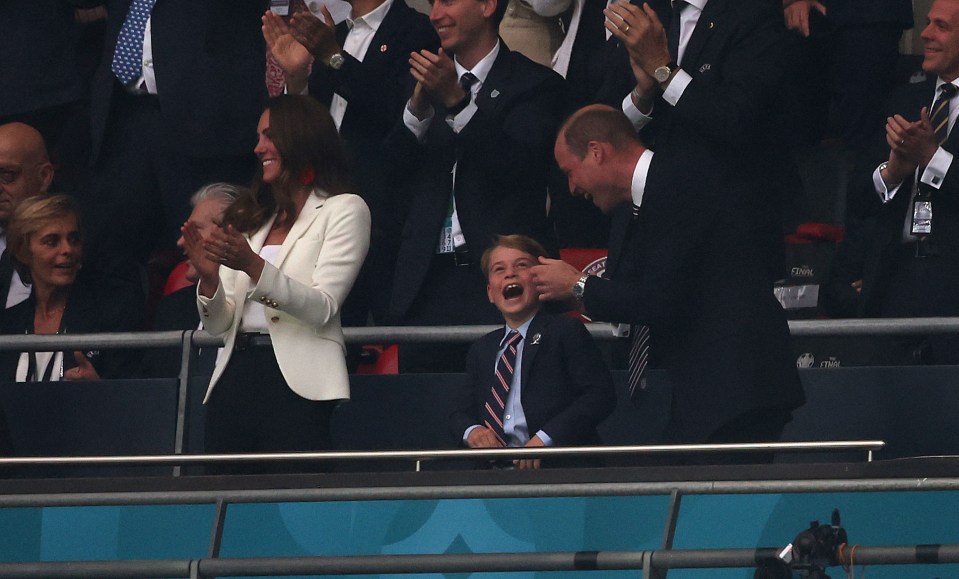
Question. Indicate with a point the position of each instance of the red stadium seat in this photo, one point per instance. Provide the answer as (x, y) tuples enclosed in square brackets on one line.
[(177, 278)]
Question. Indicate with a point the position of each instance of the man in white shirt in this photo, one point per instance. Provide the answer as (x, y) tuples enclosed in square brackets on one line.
[(470, 160), (174, 106), (713, 74), (913, 266)]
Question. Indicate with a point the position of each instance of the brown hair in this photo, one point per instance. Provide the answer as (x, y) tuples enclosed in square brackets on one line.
[(597, 123), (306, 140), (514, 241), (30, 216)]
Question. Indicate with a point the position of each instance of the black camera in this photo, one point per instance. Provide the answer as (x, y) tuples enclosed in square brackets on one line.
[(809, 554)]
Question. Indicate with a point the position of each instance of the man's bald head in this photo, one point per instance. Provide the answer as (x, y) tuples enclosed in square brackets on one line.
[(25, 168)]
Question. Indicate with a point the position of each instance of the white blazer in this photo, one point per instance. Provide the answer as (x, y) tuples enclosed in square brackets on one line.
[(301, 294)]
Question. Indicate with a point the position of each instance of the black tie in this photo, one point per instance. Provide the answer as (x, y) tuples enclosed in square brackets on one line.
[(672, 35), (940, 112), (467, 81)]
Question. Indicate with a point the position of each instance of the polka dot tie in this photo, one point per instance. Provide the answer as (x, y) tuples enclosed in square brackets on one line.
[(128, 55)]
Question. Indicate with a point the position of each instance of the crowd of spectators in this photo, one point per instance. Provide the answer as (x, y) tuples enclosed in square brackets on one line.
[(448, 121)]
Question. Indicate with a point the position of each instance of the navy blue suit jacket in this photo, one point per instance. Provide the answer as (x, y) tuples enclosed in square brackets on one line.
[(885, 245), (734, 109), (688, 270), (503, 158), (210, 63), (376, 91), (567, 389)]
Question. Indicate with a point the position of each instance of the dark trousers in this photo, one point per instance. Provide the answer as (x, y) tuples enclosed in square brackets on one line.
[(253, 410)]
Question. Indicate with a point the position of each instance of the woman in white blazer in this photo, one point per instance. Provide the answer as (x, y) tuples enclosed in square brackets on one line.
[(281, 267)]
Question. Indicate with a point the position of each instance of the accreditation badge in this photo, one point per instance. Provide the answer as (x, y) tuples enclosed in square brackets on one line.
[(921, 217)]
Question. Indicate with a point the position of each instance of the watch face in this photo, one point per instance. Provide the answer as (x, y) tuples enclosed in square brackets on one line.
[(662, 73)]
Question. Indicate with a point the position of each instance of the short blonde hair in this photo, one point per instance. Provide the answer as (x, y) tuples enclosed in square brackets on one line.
[(30, 216)]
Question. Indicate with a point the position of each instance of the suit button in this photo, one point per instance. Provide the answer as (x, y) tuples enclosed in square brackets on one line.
[(263, 299), (274, 304), (275, 319)]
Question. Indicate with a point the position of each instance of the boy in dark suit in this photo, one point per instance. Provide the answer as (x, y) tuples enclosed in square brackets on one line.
[(561, 389)]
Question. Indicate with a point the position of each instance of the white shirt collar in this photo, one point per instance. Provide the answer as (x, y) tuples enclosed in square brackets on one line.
[(639, 177), (523, 329), (482, 68), (373, 18)]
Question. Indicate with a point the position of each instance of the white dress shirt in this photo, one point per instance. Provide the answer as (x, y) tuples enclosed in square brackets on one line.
[(681, 79)]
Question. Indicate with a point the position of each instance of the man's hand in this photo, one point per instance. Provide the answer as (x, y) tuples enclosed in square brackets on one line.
[(293, 57), (529, 463), (554, 279), (640, 30), (437, 74), (317, 36), (911, 145), (83, 371), (483, 437), (797, 13)]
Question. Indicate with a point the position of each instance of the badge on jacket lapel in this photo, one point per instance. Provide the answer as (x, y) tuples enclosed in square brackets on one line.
[(536, 338), (494, 93), (705, 67), (383, 48)]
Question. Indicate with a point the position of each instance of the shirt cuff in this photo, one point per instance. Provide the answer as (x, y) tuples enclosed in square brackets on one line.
[(635, 116), (677, 86), (466, 434), (416, 126), (547, 441), (885, 193), (935, 172)]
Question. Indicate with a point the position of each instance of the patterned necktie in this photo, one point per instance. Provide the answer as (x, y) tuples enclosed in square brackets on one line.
[(638, 349), (128, 54), (940, 112), (672, 34), (496, 401), (638, 359)]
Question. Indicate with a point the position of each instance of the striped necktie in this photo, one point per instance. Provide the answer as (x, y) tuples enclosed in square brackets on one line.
[(638, 346), (940, 112), (503, 377)]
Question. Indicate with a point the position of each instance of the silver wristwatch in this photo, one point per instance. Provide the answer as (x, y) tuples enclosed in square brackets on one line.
[(580, 287), (336, 61), (661, 74)]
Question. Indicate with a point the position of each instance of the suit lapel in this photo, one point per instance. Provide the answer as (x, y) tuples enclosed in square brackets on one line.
[(381, 43), (617, 237), (303, 222), (531, 347), (704, 30), (493, 91)]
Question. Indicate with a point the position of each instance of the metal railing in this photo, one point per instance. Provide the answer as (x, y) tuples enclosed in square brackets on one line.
[(650, 562), (189, 340)]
